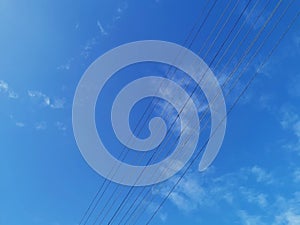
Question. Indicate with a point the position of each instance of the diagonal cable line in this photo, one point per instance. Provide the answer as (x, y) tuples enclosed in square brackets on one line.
[(153, 98), (216, 66), (245, 66), (230, 110), (207, 108), (258, 50), (119, 193), (136, 127), (90, 208), (222, 45), (118, 186)]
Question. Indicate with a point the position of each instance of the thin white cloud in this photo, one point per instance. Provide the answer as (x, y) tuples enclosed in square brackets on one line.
[(163, 217), (104, 30), (289, 211), (88, 47), (4, 88), (12, 94), (283, 211), (288, 118), (45, 100), (164, 108), (251, 196), (290, 217), (240, 190), (20, 124), (293, 86), (120, 10), (297, 175), (297, 40), (296, 128), (66, 66), (41, 126), (60, 126), (248, 219), (261, 175), (39, 95), (290, 121), (58, 103), (101, 28), (193, 193)]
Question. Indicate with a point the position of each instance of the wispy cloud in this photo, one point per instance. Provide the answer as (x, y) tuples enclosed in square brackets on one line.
[(58, 103), (4, 88), (165, 109), (120, 10), (45, 100), (289, 217), (261, 175), (12, 94), (20, 124), (88, 47), (41, 126), (293, 86), (101, 28), (60, 126), (104, 29), (290, 121), (39, 95), (196, 193), (163, 217), (67, 65), (192, 195), (288, 210), (297, 40), (248, 219), (260, 199), (297, 175)]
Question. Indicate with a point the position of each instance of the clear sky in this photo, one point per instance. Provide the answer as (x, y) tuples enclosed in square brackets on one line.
[(45, 47)]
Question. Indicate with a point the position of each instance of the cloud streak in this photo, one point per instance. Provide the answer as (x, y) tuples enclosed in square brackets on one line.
[(4, 88), (101, 28), (43, 99), (207, 192)]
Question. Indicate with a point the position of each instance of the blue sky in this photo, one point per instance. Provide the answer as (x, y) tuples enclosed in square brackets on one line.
[(45, 48)]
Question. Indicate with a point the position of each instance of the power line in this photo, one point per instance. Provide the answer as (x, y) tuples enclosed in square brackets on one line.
[(250, 13), (146, 110), (110, 198), (224, 83), (222, 45), (249, 61), (96, 195), (102, 185), (230, 110)]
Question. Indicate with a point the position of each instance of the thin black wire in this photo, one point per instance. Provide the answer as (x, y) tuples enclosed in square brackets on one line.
[(200, 120), (142, 116), (222, 45), (245, 67), (250, 13), (185, 41), (230, 110), (103, 208), (257, 51), (228, 114), (210, 10)]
